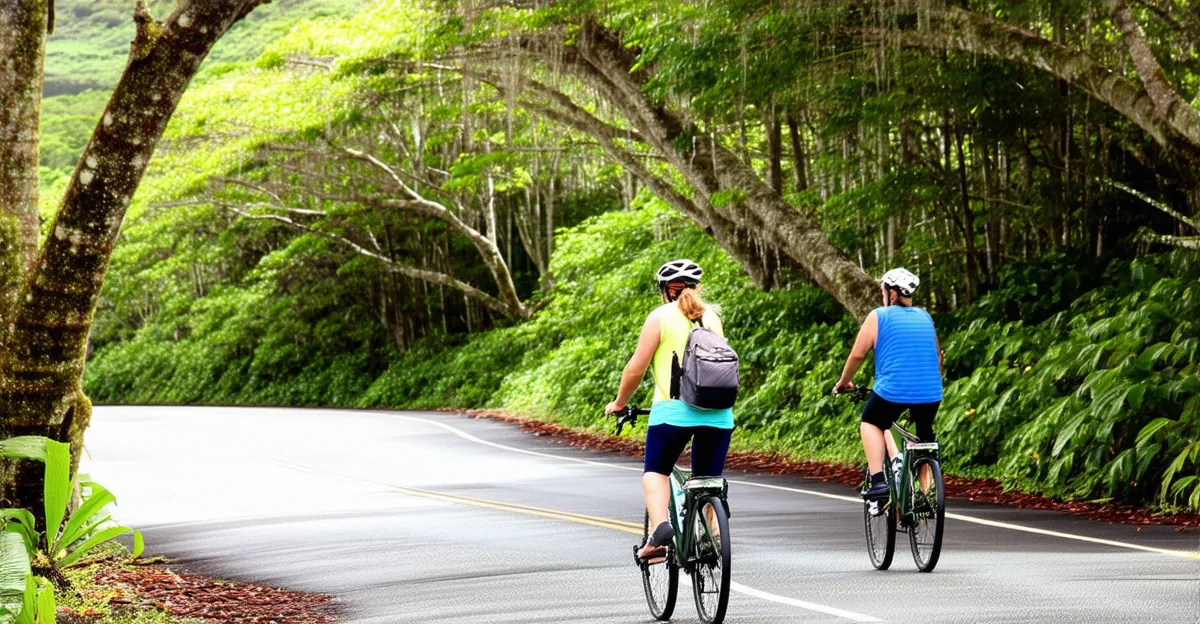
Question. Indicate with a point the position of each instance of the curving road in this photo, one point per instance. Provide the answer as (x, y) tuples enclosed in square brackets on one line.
[(433, 517)]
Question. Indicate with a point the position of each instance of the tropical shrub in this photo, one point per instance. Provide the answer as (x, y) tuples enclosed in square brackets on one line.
[(29, 599)]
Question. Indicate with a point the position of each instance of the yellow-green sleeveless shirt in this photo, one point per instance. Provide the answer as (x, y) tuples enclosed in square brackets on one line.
[(673, 330)]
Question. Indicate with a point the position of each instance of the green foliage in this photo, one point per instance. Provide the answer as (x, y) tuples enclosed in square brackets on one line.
[(87, 527), (1069, 372), (1098, 401), (24, 598), (14, 570)]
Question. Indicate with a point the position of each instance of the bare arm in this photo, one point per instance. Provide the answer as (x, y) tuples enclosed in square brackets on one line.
[(635, 369), (941, 354), (862, 345)]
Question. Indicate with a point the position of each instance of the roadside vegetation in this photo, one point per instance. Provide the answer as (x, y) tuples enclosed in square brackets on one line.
[(366, 215)]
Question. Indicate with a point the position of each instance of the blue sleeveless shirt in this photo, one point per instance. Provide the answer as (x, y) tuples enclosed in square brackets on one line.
[(906, 356)]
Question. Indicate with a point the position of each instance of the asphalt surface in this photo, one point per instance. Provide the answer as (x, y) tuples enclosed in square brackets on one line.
[(427, 517)]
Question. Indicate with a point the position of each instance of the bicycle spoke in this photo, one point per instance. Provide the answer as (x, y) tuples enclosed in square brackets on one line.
[(928, 514), (710, 561), (659, 580), (881, 534)]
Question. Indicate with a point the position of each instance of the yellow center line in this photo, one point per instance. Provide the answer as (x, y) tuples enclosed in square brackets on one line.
[(554, 514), (597, 521)]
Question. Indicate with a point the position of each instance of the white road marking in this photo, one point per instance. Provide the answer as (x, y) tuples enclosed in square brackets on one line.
[(791, 602), (555, 514), (811, 606), (956, 516)]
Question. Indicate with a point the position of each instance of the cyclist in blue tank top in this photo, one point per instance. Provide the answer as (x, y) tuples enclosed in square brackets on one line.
[(908, 372)]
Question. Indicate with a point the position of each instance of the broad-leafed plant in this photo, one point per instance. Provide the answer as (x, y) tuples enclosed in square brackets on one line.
[(89, 526)]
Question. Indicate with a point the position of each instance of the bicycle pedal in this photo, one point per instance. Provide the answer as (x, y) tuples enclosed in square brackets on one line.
[(877, 506)]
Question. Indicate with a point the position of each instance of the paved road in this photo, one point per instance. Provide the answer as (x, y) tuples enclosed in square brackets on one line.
[(425, 517)]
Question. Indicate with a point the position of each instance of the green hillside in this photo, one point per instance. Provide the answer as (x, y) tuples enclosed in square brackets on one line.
[(89, 48)]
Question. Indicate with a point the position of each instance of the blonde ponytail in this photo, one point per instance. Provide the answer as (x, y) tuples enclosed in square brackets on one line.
[(691, 304)]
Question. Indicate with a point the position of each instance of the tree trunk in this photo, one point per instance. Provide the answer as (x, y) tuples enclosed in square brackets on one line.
[(799, 160), (44, 346), (968, 220), (23, 29), (774, 149)]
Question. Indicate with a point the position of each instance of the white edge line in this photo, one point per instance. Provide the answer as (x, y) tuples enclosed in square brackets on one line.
[(961, 517), (792, 602), (811, 606)]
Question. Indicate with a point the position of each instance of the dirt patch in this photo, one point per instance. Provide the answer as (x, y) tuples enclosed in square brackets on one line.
[(197, 597), (980, 490)]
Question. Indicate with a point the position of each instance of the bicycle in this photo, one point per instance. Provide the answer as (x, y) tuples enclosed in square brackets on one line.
[(916, 509), (696, 503)]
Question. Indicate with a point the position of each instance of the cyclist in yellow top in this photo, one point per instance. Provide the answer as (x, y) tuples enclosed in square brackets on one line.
[(672, 422)]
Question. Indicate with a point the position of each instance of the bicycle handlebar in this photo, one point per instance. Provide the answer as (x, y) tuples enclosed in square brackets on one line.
[(858, 394), (628, 416)]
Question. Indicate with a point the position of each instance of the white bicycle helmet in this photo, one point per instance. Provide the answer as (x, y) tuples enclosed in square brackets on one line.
[(902, 280), (684, 271)]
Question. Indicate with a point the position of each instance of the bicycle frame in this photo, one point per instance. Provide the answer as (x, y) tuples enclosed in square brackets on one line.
[(914, 449), (695, 491)]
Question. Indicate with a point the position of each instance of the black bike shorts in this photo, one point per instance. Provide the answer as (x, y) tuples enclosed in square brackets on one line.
[(665, 442), (883, 414)]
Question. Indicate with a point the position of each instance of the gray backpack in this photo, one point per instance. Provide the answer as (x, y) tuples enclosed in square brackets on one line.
[(708, 376)]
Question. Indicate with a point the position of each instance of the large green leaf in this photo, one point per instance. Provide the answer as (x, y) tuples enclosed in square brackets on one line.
[(57, 489), (1151, 428), (46, 608), (24, 447), (1176, 465), (28, 601), (90, 543), (91, 507), (21, 521), (1182, 484), (1068, 432), (14, 571)]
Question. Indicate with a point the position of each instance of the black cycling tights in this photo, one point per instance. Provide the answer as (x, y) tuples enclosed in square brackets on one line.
[(883, 413), (665, 442)]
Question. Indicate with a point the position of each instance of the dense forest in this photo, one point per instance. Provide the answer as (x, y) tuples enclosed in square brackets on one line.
[(461, 204)]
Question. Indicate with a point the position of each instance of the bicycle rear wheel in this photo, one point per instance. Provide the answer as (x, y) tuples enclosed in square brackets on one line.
[(928, 515), (660, 580), (711, 557), (881, 533)]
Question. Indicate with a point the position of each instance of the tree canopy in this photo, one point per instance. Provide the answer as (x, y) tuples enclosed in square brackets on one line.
[(443, 203)]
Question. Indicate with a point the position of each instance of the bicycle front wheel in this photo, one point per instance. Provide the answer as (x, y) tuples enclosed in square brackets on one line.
[(928, 500), (881, 533), (710, 559), (660, 580)]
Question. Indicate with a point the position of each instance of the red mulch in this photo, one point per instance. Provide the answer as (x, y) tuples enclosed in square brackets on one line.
[(219, 601), (979, 490)]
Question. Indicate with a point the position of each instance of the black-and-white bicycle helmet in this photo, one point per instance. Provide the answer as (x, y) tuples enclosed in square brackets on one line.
[(684, 271), (902, 280)]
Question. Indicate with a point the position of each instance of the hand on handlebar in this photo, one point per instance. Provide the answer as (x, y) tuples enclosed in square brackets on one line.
[(613, 407), (626, 415), (839, 386)]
